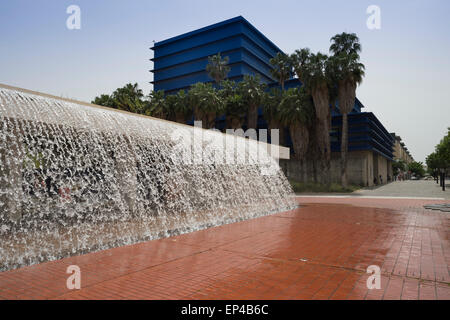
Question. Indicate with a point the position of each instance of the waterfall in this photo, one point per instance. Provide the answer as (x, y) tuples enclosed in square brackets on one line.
[(76, 178)]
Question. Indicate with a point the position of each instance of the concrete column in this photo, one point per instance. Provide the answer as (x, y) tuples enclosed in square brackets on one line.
[(375, 168)]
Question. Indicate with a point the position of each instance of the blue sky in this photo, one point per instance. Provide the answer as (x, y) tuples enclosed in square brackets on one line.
[(407, 82)]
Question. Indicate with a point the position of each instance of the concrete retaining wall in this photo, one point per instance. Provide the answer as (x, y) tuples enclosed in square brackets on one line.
[(363, 168)]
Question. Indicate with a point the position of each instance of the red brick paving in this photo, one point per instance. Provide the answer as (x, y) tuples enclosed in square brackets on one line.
[(319, 251)]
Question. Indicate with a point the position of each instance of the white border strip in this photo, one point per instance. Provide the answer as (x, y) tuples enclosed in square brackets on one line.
[(366, 197)]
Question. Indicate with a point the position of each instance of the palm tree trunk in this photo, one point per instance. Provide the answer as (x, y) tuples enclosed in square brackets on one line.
[(344, 150), (234, 123), (300, 140), (275, 124), (180, 118), (324, 153), (210, 120), (252, 117), (312, 154), (197, 114), (322, 107), (346, 98)]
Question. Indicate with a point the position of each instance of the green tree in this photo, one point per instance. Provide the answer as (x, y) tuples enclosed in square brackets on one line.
[(104, 100), (282, 68), (156, 106), (433, 164), (169, 103), (347, 73), (443, 151), (313, 71), (128, 98), (176, 107), (206, 103), (416, 168), (297, 113), (233, 104), (398, 166), (271, 110), (440, 158), (347, 43), (252, 90), (217, 68), (181, 107), (234, 111)]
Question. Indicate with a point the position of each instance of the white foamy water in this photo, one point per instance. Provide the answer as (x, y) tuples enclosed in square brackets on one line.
[(76, 179)]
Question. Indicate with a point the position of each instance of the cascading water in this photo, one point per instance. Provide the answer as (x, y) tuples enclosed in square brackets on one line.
[(76, 178)]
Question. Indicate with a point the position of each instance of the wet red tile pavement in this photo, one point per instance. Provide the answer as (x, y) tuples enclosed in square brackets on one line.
[(319, 251)]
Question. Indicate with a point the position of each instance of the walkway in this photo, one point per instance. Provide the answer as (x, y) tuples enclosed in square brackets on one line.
[(409, 188), (319, 251)]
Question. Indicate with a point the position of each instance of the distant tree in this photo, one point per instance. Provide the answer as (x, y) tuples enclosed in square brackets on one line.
[(252, 90), (443, 151), (398, 166), (440, 158), (416, 168), (282, 68), (433, 164), (217, 68)]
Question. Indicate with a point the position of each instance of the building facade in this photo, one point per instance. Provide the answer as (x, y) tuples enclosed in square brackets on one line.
[(181, 61), (401, 152)]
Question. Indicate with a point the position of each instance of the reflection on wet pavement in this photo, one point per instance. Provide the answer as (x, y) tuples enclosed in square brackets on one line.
[(319, 251)]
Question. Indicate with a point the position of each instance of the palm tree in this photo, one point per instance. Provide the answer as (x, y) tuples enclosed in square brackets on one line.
[(181, 107), (252, 91), (233, 104), (347, 73), (217, 68), (312, 70), (347, 43), (299, 59), (235, 112), (157, 105), (282, 68), (129, 98), (205, 102), (297, 112), (271, 110), (104, 100), (169, 105)]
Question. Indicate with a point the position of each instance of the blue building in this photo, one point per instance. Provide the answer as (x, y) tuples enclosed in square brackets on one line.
[(180, 62)]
